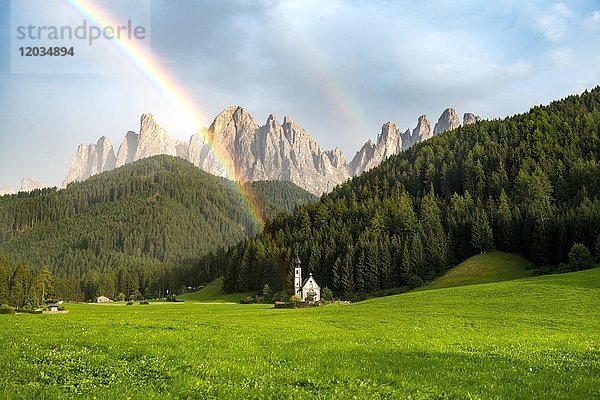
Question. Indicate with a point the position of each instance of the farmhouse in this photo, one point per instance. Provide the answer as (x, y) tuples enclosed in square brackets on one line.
[(308, 290), (102, 299)]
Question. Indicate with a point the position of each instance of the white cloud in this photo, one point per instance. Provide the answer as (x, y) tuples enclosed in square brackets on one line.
[(520, 69), (554, 23), (563, 57), (592, 21)]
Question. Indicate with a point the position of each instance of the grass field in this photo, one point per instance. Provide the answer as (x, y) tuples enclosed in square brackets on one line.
[(523, 339), (214, 293), (493, 266)]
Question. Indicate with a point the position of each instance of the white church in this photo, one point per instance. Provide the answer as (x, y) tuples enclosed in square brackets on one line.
[(308, 290)]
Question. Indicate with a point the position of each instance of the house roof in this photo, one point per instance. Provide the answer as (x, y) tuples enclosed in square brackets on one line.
[(307, 279)]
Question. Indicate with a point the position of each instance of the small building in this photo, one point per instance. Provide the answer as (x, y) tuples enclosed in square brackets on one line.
[(102, 299), (311, 291), (53, 307), (308, 290)]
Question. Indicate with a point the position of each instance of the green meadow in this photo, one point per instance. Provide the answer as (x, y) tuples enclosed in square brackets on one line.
[(528, 338), (214, 293), (493, 266)]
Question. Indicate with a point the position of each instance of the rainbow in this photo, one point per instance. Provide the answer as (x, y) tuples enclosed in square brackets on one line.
[(174, 94), (342, 101)]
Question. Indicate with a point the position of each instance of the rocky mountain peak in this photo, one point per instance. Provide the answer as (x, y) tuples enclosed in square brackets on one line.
[(389, 132), (128, 148), (448, 120), (423, 129), (230, 118), (289, 122), (28, 184), (4, 190), (470, 118), (91, 159), (153, 139), (337, 158), (389, 142), (271, 122)]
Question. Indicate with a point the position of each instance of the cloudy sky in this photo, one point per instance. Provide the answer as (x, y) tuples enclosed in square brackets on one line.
[(338, 68)]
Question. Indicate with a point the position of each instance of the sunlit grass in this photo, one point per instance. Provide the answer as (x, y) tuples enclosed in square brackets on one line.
[(214, 293), (530, 338), (493, 266)]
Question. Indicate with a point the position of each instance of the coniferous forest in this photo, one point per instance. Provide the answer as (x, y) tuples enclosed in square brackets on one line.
[(138, 230), (529, 184)]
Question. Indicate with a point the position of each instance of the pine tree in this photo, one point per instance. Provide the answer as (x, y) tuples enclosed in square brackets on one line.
[(44, 284), (437, 244), (481, 231), (504, 219)]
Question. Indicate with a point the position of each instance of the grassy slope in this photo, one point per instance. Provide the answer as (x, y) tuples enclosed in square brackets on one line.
[(213, 293), (494, 266), (530, 338)]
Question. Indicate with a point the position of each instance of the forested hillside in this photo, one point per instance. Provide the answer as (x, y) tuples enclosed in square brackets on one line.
[(136, 228), (529, 183)]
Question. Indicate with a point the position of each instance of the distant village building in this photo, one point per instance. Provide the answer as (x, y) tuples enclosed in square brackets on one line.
[(102, 299), (307, 290)]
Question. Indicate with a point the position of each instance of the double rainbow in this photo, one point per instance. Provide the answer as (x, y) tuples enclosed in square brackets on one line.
[(174, 94)]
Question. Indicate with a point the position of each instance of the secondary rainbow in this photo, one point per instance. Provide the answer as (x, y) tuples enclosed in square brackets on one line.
[(172, 91)]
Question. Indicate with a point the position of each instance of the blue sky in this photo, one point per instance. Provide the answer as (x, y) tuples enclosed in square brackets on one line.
[(339, 68)]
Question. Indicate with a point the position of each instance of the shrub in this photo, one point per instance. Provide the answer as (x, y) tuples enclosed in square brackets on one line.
[(130, 303), (267, 291), (174, 299), (144, 303), (120, 297), (136, 296), (294, 300), (413, 281), (580, 257), (6, 309), (327, 294)]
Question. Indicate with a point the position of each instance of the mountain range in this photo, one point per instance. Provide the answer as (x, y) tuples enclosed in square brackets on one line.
[(27, 185), (273, 151)]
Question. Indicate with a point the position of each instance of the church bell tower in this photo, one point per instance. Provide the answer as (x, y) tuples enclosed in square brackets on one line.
[(297, 277)]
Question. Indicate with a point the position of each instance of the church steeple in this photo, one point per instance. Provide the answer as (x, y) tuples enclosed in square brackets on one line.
[(297, 277)]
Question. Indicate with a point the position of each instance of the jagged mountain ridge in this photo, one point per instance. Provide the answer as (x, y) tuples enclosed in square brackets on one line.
[(273, 151), (27, 185)]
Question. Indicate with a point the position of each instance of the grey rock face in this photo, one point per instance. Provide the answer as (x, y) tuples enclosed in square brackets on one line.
[(448, 120), (128, 148), (422, 131), (389, 142), (407, 139), (153, 140), (106, 159), (361, 159), (273, 151), (470, 118), (6, 190), (28, 184), (91, 159)]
